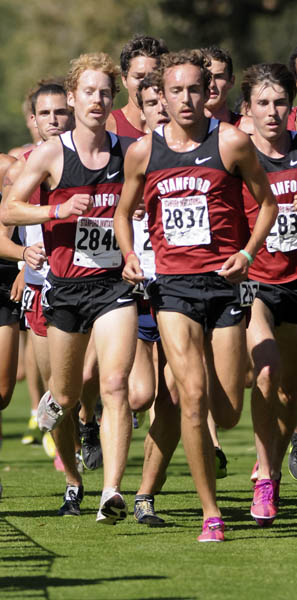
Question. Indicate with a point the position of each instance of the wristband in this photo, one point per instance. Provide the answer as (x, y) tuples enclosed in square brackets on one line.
[(52, 212), (26, 248), (248, 256), (128, 254), (57, 211)]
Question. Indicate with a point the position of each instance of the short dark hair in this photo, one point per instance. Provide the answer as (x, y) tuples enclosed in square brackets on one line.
[(183, 57), (150, 80), (45, 88), (141, 45), (271, 73), (292, 62), (220, 54)]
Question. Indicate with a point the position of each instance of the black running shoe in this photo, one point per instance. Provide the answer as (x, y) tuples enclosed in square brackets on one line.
[(91, 452), (144, 511), (72, 499), (292, 462), (221, 464)]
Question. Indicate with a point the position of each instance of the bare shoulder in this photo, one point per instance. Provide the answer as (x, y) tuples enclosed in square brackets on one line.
[(138, 155), (47, 151), (232, 137), (14, 171), (141, 148), (5, 163)]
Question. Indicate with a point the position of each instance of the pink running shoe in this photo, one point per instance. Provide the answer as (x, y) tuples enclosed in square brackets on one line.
[(212, 530), (58, 463), (265, 502)]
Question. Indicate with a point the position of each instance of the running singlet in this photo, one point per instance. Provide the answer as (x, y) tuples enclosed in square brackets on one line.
[(292, 119), (85, 246), (124, 127), (276, 261), (196, 217)]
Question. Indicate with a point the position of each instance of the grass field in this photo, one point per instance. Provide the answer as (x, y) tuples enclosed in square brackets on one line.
[(43, 556)]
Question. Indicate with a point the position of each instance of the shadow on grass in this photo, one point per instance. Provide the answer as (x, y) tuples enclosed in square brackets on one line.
[(22, 558)]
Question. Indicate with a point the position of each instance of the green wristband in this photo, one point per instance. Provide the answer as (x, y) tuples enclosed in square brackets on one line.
[(248, 256)]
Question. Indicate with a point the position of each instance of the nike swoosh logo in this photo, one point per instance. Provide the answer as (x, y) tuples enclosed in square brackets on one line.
[(111, 175), (199, 161), (235, 312), (293, 163), (121, 300)]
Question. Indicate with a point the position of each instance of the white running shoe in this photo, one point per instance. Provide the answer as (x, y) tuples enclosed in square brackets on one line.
[(49, 413), (113, 507)]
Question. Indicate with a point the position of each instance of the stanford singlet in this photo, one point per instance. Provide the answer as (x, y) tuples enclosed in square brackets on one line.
[(124, 127), (292, 119), (195, 206), (276, 261), (86, 245)]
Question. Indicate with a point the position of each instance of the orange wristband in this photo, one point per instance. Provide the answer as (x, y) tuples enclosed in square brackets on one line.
[(128, 254)]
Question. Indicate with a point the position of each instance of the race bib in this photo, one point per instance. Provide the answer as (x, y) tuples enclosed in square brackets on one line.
[(283, 235), (95, 244), (248, 291), (27, 298), (186, 221)]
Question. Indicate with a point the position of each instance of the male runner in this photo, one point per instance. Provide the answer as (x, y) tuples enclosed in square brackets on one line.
[(269, 90), (190, 173), (81, 177), (138, 58)]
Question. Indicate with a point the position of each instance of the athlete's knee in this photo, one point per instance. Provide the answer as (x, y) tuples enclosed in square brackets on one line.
[(114, 384), (194, 407)]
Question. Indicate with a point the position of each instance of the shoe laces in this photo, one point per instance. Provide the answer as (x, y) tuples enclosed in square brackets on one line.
[(264, 490), (213, 523), (147, 506)]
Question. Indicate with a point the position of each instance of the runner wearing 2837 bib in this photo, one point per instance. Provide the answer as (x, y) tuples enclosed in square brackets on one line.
[(191, 179)]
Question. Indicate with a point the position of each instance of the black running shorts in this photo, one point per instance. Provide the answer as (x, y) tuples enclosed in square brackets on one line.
[(281, 299), (207, 298), (73, 304)]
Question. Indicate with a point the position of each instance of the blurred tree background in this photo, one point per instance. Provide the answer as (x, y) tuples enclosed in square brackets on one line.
[(38, 39)]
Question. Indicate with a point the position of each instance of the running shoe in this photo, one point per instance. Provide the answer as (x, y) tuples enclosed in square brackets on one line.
[(138, 419), (292, 462), (91, 452), (58, 463), (113, 508), (212, 530), (72, 499), (221, 464), (255, 472), (49, 413), (32, 434), (265, 503), (144, 511), (49, 445)]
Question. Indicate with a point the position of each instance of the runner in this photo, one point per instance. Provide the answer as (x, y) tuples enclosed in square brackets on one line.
[(81, 175), (269, 90), (190, 172)]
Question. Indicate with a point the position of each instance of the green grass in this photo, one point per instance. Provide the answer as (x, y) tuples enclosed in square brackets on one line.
[(43, 556)]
